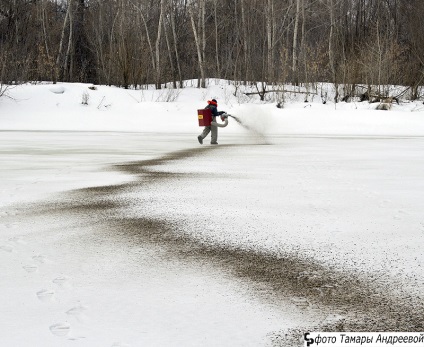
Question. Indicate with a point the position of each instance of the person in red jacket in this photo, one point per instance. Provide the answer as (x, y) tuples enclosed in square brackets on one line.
[(213, 105)]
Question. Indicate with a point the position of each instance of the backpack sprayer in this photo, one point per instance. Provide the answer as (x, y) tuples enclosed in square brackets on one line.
[(205, 118)]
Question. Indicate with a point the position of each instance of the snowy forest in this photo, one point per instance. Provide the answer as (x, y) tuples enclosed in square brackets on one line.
[(129, 43)]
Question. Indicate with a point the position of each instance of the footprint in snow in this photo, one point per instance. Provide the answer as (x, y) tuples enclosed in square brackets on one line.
[(60, 329), (385, 203), (325, 290), (310, 278), (8, 213), (334, 319), (45, 295), (30, 268), (40, 259), (60, 281), (78, 312), (7, 248), (11, 226), (300, 302), (400, 214), (17, 240)]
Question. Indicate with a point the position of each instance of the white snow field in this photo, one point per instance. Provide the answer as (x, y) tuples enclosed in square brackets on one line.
[(117, 228)]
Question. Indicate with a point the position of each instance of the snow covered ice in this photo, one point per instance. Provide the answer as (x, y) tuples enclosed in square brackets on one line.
[(118, 229)]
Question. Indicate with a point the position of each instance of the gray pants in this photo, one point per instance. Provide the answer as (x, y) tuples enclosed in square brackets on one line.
[(214, 134)]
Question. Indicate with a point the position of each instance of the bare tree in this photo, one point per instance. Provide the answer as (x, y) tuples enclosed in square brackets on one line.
[(60, 68), (270, 30), (157, 45), (199, 37), (175, 40), (295, 39)]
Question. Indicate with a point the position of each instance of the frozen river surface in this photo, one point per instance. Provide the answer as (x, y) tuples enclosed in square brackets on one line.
[(129, 239)]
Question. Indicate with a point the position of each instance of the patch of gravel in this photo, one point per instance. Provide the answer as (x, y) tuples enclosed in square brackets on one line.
[(349, 301)]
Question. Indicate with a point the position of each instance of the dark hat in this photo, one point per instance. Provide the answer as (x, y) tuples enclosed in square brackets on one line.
[(214, 100)]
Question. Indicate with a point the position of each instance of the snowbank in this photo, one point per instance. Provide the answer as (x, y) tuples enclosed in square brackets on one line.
[(60, 107)]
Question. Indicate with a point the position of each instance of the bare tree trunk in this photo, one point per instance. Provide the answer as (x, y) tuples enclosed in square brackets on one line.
[(330, 39), (218, 68), (98, 30), (269, 14), (171, 62), (202, 28), (295, 33), (245, 41), (16, 26), (199, 47), (302, 44), (43, 23), (82, 53), (111, 49), (331, 49), (59, 69), (49, 62), (157, 47), (177, 57), (68, 57)]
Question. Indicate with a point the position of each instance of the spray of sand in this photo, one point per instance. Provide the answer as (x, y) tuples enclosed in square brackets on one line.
[(253, 128)]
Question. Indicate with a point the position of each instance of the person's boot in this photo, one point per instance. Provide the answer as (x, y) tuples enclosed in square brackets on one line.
[(214, 143), (200, 139)]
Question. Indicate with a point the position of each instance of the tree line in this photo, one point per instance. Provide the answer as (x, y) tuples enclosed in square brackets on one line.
[(130, 43)]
